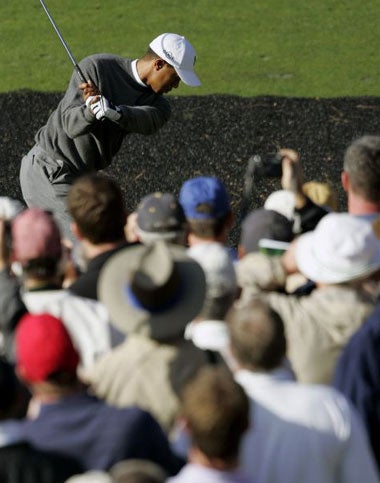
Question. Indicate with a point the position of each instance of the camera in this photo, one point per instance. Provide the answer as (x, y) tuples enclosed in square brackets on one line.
[(268, 166)]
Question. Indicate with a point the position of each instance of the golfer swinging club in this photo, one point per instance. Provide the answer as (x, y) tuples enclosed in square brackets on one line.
[(89, 124)]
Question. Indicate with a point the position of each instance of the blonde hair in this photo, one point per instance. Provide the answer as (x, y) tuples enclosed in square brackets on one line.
[(321, 194)]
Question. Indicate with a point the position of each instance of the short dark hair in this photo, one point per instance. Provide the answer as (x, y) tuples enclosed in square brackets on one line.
[(362, 165), (210, 228), (257, 335), (96, 204), (42, 268), (216, 308), (151, 54), (216, 409)]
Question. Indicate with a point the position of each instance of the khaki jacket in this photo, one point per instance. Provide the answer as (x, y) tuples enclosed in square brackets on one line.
[(317, 326), (139, 372)]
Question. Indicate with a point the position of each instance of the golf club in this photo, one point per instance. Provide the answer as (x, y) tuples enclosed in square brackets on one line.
[(66, 47), (77, 68)]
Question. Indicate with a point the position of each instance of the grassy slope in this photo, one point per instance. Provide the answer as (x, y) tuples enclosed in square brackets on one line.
[(324, 48)]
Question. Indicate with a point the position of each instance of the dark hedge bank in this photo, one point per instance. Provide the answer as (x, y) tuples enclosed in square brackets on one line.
[(209, 135)]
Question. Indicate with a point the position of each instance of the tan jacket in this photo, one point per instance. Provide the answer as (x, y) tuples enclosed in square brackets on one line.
[(317, 326), (138, 372)]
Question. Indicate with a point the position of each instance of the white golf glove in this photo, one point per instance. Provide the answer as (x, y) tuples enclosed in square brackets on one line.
[(103, 109)]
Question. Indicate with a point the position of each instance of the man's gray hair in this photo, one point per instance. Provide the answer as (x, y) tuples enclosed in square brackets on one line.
[(257, 335), (362, 165)]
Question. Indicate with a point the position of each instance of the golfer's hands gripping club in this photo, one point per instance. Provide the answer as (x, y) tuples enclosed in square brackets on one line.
[(102, 108), (88, 90), (99, 105)]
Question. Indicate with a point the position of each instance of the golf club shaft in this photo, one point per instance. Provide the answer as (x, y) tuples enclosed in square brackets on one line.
[(77, 68)]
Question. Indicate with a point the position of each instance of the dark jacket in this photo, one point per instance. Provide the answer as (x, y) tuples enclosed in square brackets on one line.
[(99, 435), (357, 376), (86, 283), (20, 463)]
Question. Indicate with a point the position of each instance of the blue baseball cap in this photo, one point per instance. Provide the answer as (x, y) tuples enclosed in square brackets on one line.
[(204, 198)]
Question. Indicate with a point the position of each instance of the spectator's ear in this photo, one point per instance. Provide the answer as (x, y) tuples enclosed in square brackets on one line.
[(288, 259), (76, 231), (241, 252), (20, 373), (131, 228), (183, 423), (345, 180)]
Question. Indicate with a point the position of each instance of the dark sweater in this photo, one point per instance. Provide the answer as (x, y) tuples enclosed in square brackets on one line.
[(357, 376), (77, 139), (86, 283)]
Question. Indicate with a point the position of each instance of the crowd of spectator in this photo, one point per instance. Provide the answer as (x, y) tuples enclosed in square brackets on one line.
[(146, 349)]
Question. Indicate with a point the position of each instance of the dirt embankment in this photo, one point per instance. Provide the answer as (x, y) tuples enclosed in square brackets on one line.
[(209, 135)]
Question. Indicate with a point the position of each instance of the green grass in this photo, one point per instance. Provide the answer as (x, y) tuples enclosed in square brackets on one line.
[(325, 48)]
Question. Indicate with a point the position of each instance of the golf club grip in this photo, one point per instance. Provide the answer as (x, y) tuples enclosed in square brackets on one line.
[(83, 78)]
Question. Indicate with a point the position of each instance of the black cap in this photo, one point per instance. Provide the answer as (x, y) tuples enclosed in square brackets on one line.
[(160, 212)]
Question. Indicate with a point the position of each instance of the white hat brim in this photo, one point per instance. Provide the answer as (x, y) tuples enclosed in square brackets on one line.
[(310, 266), (188, 77)]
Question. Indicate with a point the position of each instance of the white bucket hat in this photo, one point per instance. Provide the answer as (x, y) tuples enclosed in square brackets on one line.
[(179, 53), (340, 249)]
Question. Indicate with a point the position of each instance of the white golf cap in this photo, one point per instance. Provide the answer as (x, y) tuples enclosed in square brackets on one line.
[(179, 53)]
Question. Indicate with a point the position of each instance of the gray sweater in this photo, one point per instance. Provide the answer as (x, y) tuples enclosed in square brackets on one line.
[(72, 133)]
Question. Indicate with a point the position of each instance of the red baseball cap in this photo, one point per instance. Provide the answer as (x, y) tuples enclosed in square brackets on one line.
[(43, 347)]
